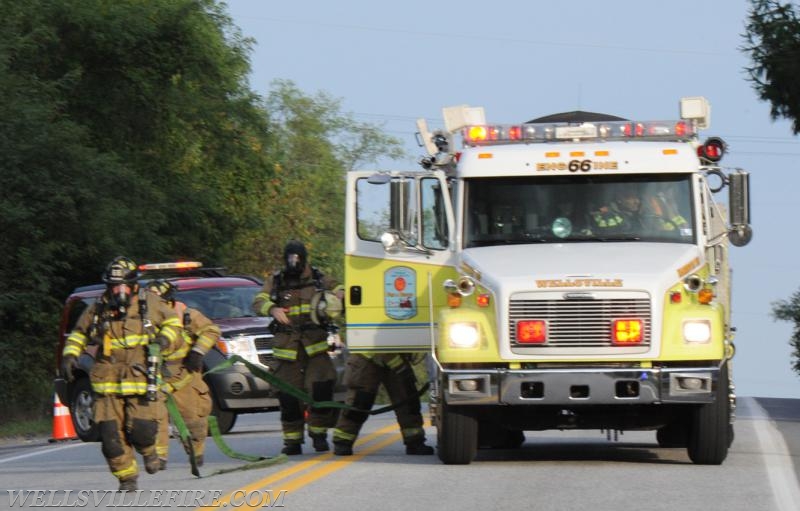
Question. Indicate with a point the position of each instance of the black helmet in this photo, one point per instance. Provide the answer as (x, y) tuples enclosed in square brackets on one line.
[(295, 257), (163, 288), (121, 270)]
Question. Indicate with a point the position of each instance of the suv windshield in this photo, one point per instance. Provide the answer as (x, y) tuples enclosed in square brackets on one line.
[(220, 302), (578, 209)]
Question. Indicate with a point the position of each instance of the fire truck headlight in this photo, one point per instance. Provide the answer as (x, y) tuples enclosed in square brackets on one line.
[(463, 335), (697, 331)]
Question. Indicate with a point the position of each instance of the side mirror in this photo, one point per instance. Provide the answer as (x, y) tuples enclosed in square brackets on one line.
[(740, 236), (391, 242), (739, 206), (394, 243)]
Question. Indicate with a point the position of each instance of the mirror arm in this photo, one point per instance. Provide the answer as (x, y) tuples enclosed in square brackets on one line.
[(393, 242)]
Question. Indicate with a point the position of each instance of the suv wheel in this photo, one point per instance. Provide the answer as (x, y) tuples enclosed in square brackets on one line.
[(225, 419), (80, 406)]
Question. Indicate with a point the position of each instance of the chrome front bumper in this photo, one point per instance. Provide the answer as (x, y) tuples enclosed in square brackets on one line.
[(580, 386)]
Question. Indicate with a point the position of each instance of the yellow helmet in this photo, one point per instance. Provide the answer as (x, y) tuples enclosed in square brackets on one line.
[(325, 307)]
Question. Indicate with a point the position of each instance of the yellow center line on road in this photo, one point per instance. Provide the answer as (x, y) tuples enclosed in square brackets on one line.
[(333, 466), (315, 474)]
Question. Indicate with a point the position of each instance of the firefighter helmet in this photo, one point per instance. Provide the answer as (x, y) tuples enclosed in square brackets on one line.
[(163, 288), (325, 307), (121, 270)]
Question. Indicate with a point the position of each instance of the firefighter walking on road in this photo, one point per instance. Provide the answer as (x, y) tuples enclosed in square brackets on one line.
[(183, 374), (363, 375), (126, 329), (301, 346)]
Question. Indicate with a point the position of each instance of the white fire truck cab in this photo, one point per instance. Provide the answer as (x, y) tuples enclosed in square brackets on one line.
[(569, 272)]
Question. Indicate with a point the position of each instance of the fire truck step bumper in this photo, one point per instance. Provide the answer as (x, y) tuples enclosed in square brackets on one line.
[(575, 387)]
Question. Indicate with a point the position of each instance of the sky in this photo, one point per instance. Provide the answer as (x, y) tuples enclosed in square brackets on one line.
[(390, 63)]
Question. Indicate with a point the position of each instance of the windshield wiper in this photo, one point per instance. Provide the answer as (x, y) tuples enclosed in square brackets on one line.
[(619, 237)]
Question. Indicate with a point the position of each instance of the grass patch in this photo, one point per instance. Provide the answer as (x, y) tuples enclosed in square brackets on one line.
[(26, 428)]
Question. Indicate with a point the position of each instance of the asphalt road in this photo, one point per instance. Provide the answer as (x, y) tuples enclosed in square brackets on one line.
[(785, 413), (553, 470)]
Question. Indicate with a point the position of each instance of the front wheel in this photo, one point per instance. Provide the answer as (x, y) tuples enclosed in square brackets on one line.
[(225, 419), (81, 409), (457, 435), (710, 431)]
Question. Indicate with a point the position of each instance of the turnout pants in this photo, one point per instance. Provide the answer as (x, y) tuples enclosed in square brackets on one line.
[(127, 424), (193, 401), (363, 376), (316, 376)]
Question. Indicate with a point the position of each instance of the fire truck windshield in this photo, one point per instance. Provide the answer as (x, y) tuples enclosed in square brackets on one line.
[(513, 210)]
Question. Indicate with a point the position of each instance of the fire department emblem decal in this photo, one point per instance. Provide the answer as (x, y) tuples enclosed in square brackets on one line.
[(400, 292)]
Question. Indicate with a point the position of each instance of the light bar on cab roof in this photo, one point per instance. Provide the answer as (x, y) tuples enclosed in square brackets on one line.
[(180, 265), (554, 132)]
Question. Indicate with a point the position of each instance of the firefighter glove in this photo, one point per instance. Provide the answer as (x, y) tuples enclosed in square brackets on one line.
[(194, 361), (68, 366)]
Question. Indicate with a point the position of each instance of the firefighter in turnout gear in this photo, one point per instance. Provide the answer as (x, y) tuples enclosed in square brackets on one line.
[(363, 375), (126, 329), (634, 212), (301, 346), (183, 374)]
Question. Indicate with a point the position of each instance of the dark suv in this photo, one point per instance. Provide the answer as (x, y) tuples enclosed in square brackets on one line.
[(225, 299)]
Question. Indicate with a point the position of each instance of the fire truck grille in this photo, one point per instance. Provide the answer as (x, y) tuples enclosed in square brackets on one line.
[(264, 347), (579, 323)]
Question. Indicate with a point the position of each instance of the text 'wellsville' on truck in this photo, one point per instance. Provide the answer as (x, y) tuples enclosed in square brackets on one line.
[(570, 272)]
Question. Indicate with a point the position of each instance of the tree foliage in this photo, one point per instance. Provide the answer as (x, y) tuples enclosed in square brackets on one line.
[(773, 43), (129, 128), (313, 145), (789, 310)]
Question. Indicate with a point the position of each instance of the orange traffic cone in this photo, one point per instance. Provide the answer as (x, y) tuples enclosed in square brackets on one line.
[(62, 422)]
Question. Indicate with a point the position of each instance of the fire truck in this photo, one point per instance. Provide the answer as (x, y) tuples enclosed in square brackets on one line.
[(569, 272)]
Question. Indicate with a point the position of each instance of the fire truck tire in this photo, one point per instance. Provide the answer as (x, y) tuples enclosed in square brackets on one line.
[(457, 435), (710, 432)]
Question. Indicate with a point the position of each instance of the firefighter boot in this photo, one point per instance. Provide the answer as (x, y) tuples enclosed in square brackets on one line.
[(128, 484), (152, 463), (162, 464), (418, 447), (342, 449), (320, 443), (292, 449)]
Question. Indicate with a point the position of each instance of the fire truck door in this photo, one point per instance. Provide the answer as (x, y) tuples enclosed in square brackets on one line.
[(398, 251)]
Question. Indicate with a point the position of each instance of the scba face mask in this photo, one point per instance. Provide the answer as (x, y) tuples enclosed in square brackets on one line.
[(120, 296), (294, 257), (293, 263)]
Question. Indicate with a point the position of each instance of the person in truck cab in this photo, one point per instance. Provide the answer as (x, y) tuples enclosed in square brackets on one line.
[(629, 212), (301, 345), (125, 329), (183, 374)]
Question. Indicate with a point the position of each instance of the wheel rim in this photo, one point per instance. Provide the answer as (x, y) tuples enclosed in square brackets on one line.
[(82, 412)]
